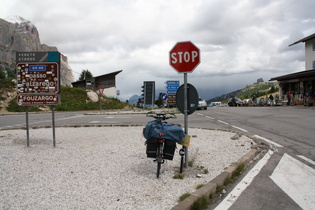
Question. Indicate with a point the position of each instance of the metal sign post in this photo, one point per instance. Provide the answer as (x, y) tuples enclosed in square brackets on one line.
[(27, 128), (38, 82), (184, 58), (100, 92), (186, 117), (53, 123)]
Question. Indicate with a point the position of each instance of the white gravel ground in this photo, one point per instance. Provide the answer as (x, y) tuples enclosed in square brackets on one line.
[(104, 168)]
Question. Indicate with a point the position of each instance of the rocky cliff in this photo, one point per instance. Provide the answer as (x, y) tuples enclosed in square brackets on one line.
[(18, 34)]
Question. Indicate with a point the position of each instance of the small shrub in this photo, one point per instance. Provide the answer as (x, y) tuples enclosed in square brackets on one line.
[(205, 171), (201, 203), (219, 188), (191, 163), (228, 181), (238, 170), (179, 176), (183, 197)]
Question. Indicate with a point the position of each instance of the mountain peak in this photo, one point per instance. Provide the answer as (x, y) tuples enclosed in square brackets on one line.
[(16, 19)]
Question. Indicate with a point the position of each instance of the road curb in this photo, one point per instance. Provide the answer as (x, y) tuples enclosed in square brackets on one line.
[(210, 187)]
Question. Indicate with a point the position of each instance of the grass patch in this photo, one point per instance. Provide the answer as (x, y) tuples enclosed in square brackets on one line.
[(201, 203), (199, 186), (183, 197), (228, 181), (219, 189), (72, 99), (179, 176), (191, 163), (238, 170), (14, 107)]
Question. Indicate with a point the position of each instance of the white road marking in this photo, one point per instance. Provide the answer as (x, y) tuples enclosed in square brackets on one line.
[(94, 122), (297, 180), (306, 159), (246, 181), (240, 128), (269, 141), (200, 114), (223, 122), (210, 117)]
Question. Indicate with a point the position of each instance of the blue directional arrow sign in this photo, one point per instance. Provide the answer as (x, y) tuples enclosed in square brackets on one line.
[(172, 83), (172, 87), (171, 92)]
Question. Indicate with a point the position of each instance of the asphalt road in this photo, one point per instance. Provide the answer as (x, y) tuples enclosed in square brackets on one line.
[(289, 130)]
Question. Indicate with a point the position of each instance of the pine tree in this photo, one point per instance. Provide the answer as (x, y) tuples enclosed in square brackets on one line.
[(85, 74)]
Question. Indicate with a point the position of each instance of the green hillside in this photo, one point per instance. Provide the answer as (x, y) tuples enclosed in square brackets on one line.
[(258, 89), (72, 99)]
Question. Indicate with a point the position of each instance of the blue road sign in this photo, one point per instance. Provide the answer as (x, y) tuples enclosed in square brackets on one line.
[(171, 92), (172, 87), (172, 83), (164, 97)]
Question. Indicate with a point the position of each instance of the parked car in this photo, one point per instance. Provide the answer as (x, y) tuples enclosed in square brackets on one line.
[(202, 104), (235, 102)]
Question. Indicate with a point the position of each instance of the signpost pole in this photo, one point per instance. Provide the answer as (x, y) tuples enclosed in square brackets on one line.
[(186, 117), (27, 128), (53, 125), (100, 103)]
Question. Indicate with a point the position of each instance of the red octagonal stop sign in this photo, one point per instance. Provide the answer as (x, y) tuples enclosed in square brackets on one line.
[(184, 57)]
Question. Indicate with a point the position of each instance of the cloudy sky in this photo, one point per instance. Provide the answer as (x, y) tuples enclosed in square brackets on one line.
[(239, 40)]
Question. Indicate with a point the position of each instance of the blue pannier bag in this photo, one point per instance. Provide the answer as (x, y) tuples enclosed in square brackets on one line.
[(169, 131)]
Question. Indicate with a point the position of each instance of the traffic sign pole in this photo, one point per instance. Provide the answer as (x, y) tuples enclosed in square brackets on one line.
[(186, 116), (27, 128), (53, 123), (184, 58)]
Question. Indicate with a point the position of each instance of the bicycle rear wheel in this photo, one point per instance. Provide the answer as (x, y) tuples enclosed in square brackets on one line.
[(159, 159)]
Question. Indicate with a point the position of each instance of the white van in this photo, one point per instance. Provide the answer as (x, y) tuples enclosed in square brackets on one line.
[(217, 103)]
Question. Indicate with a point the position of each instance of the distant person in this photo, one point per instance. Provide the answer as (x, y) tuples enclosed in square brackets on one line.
[(254, 100), (289, 98), (271, 99)]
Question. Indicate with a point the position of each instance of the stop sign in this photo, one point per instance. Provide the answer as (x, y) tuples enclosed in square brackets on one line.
[(184, 57)]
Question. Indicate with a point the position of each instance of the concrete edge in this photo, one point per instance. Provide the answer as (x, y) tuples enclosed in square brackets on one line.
[(210, 187)]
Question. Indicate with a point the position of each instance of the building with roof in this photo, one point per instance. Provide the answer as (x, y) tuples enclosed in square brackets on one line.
[(105, 83), (299, 87)]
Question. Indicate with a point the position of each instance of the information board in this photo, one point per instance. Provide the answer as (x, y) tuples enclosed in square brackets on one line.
[(38, 78), (32, 100)]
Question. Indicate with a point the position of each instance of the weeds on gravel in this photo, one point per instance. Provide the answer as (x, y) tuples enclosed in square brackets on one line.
[(201, 203), (191, 163), (179, 176), (183, 197)]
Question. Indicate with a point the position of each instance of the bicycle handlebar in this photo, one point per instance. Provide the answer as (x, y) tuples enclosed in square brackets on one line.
[(162, 116)]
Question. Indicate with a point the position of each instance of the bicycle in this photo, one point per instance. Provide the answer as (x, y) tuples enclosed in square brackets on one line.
[(159, 147)]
